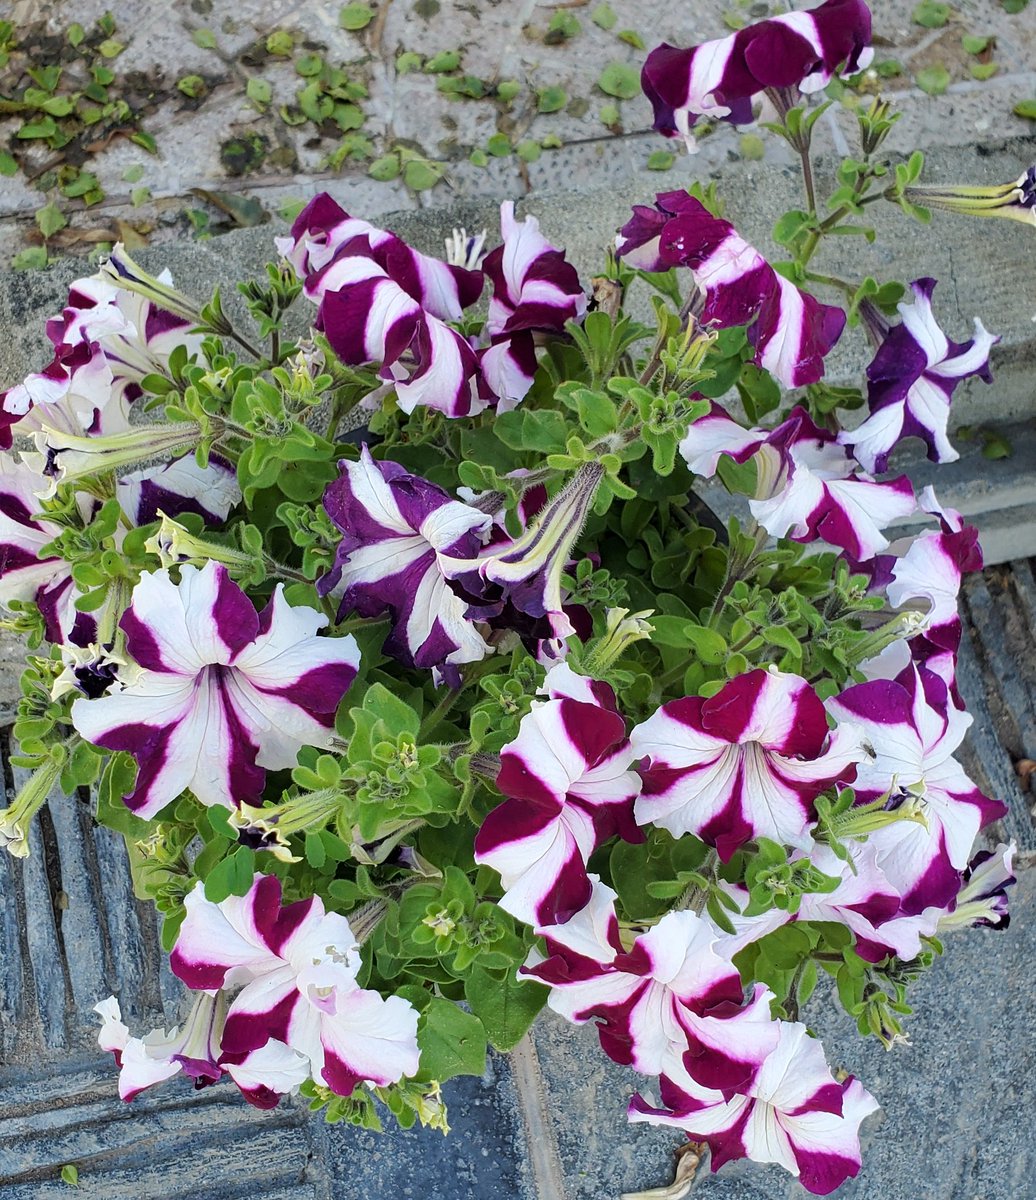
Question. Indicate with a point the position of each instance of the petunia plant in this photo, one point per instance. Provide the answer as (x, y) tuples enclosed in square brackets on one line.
[(393, 630)]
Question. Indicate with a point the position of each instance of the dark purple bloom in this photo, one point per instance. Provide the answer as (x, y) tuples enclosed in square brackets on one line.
[(719, 78), (912, 379), (792, 331)]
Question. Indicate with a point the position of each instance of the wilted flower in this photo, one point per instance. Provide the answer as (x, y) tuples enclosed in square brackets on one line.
[(911, 382), (225, 693), (179, 487), (1016, 201), (983, 898), (527, 571), (718, 79)]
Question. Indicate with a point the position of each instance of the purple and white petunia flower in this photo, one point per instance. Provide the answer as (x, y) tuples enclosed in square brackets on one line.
[(670, 1004), (298, 966), (932, 569), (443, 289), (105, 341), (371, 317), (399, 534), (570, 787), (263, 1075), (913, 729), (808, 486), (179, 487), (912, 379), (525, 572), (791, 331), (983, 898), (24, 574), (866, 903), (747, 762), (534, 290), (794, 1113), (533, 286), (718, 79), (225, 693)]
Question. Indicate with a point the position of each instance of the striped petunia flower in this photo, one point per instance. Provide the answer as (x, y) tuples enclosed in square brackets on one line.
[(25, 573), (179, 487), (399, 532), (791, 330), (570, 787), (747, 762), (807, 485), (382, 302), (224, 694), (263, 1075), (105, 341), (719, 79), (535, 290), (794, 1113), (297, 968), (910, 382), (913, 728), (323, 228), (671, 1003)]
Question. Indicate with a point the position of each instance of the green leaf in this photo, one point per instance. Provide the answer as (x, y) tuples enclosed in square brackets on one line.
[(204, 38), (604, 16), (452, 1042), (280, 42), (32, 258), (8, 166), (563, 25), (619, 80), (660, 160), (385, 168), (975, 43), (445, 60), (505, 1005), (70, 1172), (983, 70), (528, 151), (507, 89), (499, 145), (50, 219), (1025, 108), (75, 34), (420, 174), (355, 16), (551, 99), (631, 38), (931, 14), (752, 147), (398, 716), (609, 115), (44, 128), (933, 80), (191, 85)]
